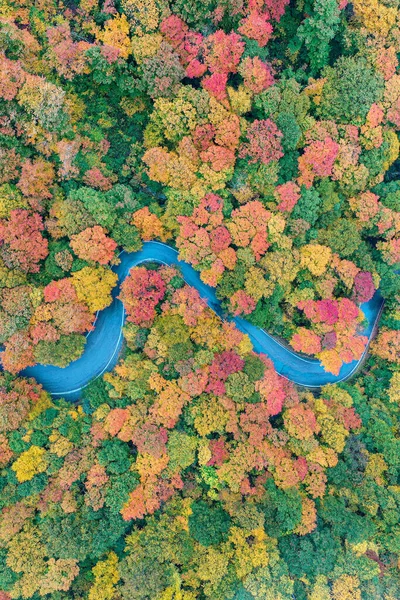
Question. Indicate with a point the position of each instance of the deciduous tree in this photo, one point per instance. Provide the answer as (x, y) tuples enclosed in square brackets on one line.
[(23, 243), (93, 244)]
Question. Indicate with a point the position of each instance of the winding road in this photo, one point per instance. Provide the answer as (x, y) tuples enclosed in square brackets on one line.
[(104, 342)]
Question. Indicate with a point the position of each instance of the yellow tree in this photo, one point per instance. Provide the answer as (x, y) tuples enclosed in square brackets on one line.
[(26, 556), (93, 286), (394, 388), (30, 463), (106, 575), (10, 199), (346, 587), (315, 258), (375, 16), (116, 34), (144, 15), (59, 575)]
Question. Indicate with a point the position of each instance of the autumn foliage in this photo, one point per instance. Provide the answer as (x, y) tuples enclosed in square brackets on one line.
[(22, 243), (93, 244), (140, 293), (190, 430), (260, 139)]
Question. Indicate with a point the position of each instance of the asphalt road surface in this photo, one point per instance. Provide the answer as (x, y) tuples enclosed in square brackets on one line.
[(104, 342)]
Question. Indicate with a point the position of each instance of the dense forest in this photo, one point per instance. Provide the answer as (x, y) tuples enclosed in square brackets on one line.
[(260, 138)]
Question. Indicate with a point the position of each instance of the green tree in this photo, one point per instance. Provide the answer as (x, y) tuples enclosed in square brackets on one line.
[(208, 524), (60, 353), (83, 534), (343, 237), (351, 88), (311, 555), (114, 455), (308, 206), (318, 30), (282, 509)]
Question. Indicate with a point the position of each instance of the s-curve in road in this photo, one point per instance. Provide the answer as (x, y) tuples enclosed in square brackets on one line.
[(104, 342)]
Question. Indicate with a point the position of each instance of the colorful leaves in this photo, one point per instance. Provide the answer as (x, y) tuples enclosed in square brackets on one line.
[(241, 303), (29, 463), (115, 34), (16, 402), (149, 225), (248, 227), (387, 345), (11, 77), (68, 56), (93, 286), (257, 75), (306, 341), (93, 244), (95, 178), (192, 468), (335, 339), (263, 142), (106, 575), (204, 242), (140, 294), (317, 161), (315, 258), (257, 27), (223, 52), (366, 206), (23, 244), (364, 287), (288, 194), (300, 422)]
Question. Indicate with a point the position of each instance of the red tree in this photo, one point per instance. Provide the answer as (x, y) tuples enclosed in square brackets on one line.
[(364, 287), (22, 245), (36, 180), (264, 142), (288, 194), (141, 291), (257, 27), (11, 77), (317, 161), (223, 52), (257, 75), (95, 178), (93, 244)]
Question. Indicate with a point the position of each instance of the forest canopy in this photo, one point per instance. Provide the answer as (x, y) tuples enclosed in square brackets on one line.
[(260, 139)]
